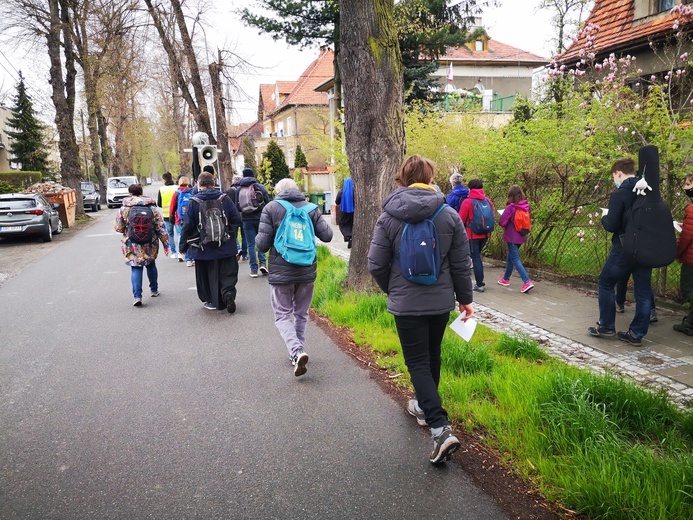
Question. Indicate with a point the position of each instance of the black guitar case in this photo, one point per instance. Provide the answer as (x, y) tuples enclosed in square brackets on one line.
[(649, 239)]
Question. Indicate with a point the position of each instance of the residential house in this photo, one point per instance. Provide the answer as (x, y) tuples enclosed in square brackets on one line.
[(5, 166), (639, 28), (488, 69), (293, 113)]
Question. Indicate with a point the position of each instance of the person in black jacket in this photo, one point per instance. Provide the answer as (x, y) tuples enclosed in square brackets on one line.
[(251, 222), (216, 267), (617, 267), (422, 311), (291, 285)]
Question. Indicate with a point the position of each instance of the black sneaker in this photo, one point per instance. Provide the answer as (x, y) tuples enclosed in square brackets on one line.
[(479, 288), (299, 361), (230, 304), (601, 332), (620, 308), (263, 270), (444, 446), (653, 316), (684, 327), (628, 337)]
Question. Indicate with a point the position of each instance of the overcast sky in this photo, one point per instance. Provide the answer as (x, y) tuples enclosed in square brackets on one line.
[(515, 23)]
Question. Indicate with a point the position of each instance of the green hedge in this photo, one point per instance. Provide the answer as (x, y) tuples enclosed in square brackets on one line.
[(22, 179)]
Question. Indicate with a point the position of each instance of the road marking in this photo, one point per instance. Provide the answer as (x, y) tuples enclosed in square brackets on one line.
[(104, 235)]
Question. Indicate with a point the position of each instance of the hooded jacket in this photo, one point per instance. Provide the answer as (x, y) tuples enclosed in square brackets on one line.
[(137, 255), (684, 245), (281, 271), (457, 196), (192, 220), (467, 212), (247, 181), (507, 222), (405, 298), (621, 200)]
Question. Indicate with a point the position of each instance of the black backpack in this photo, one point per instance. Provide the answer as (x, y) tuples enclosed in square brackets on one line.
[(212, 222), (649, 239), (140, 228)]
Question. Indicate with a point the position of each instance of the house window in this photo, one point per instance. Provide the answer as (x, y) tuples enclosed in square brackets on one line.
[(479, 45), (288, 126), (666, 5), (280, 129)]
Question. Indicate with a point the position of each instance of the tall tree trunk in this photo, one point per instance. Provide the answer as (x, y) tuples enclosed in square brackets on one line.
[(184, 158), (105, 145), (373, 84), (63, 92), (224, 159)]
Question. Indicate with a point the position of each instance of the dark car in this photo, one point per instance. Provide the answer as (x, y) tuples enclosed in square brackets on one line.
[(91, 196), (28, 214)]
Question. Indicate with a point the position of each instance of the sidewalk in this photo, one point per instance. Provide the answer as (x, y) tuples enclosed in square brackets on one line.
[(557, 317)]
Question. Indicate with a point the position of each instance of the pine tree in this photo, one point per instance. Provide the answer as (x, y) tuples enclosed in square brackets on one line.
[(248, 152), (276, 157), (300, 161), (27, 135)]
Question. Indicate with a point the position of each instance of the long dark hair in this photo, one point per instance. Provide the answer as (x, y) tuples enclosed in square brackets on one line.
[(515, 194)]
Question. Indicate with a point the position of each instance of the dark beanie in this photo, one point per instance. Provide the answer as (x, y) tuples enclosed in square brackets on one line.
[(248, 172)]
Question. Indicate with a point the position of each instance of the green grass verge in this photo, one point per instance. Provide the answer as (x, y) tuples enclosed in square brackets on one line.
[(601, 446)]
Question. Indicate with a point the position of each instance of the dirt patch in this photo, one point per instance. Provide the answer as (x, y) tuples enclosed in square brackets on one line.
[(19, 252), (517, 497)]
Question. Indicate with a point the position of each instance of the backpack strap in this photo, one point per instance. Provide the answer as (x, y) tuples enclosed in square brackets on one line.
[(433, 217)]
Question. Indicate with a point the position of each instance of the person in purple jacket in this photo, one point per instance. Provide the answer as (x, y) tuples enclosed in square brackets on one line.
[(513, 238)]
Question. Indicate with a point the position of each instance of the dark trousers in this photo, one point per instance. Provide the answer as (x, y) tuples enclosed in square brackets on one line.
[(421, 337), (476, 245), (615, 269), (215, 279), (687, 291), (622, 288)]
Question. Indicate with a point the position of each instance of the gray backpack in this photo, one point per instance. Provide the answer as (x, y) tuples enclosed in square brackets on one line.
[(212, 222)]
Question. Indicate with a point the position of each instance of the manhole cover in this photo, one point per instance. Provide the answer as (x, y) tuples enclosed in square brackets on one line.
[(650, 360)]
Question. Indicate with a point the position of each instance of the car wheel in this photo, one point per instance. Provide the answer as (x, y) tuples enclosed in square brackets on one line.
[(98, 206), (95, 206), (110, 206), (59, 229), (48, 234)]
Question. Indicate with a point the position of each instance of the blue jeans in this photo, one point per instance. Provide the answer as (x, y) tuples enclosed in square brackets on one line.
[(476, 245), (616, 268), (136, 278), (250, 228), (179, 228), (513, 260), (169, 229)]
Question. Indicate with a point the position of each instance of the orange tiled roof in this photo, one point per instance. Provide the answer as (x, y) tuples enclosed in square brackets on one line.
[(266, 101), (303, 92), (497, 52), (616, 29)]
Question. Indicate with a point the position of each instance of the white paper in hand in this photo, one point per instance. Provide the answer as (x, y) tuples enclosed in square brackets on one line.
[(605, 212), (464, 328), (677, 226)]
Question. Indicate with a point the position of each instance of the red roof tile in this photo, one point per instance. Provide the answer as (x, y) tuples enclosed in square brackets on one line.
[(616, 29), (497, 52), (303, 93)]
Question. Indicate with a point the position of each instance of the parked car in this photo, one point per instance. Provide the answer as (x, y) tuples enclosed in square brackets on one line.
[(27, 214), (117, 189), (91, 196)]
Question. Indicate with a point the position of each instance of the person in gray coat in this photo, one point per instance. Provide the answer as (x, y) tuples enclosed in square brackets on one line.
[(422, 312), (291, 285)]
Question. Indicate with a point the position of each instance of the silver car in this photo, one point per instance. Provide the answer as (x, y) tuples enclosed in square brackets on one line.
[(28, 214)]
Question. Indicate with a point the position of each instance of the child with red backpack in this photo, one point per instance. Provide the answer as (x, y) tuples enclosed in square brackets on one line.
[(516, 224), (478, 215)]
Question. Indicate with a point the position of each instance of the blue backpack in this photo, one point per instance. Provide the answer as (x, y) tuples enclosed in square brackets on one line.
[(483, 220), (295, 236), (183, 203), (419, 252)]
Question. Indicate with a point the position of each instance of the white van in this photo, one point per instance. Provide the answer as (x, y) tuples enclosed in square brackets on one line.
[(117, 189)]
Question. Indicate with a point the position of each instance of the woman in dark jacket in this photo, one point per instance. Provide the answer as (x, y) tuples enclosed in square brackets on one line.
[(422, 311)]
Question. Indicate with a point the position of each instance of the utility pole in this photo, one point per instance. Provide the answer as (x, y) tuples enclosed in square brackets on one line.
[(84, 143)]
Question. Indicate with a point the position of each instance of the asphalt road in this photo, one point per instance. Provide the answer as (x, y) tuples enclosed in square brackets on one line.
[(173, 411)]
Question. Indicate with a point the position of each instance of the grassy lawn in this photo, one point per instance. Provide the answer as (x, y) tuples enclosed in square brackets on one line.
[(601, 446)]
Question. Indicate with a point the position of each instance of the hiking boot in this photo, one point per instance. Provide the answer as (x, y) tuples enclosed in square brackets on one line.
[(444, 446), (137, 302), (416, 412), (620, 308), (526, 287), (155, 294), (653, 316), (209, 306), (601, 332), (299, 361), (479, 288), (628, 337), (263, 270), (253, 273), (684, 327), (230, 304), (504, 282)]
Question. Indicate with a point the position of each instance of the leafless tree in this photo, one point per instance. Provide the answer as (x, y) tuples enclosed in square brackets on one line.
[(567, 17)]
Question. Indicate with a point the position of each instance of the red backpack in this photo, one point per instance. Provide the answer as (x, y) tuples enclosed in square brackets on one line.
[(523, 225)]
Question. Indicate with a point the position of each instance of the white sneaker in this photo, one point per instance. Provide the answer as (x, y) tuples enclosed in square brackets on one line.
[(189, 263)]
